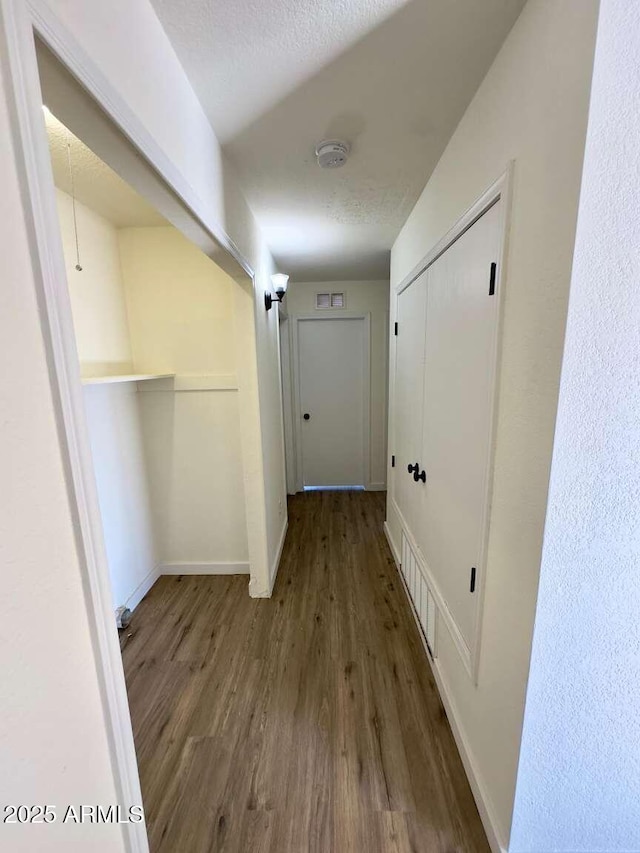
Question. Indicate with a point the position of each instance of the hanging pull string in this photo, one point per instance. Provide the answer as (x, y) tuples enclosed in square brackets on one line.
[(73, 204)]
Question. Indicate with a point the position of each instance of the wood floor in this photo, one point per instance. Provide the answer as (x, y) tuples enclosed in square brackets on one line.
[(307, 722)]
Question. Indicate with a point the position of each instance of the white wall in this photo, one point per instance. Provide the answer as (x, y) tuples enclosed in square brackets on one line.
[(117, 447), (531, 107), (102, 337), (579, 775), (97, 294), (361, 297), (182, 320), (53, 739)]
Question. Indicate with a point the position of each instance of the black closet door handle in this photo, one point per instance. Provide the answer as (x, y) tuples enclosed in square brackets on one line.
[(418, 475), (306, 416)]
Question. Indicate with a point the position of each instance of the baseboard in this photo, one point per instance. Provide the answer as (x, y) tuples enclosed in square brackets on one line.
[(194, 568), (392, 544), (276, 563), (377, 487), (142, 589), (485, 808)]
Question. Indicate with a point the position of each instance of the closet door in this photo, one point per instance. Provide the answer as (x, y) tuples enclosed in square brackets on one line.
[(412, 304), (460, 349)]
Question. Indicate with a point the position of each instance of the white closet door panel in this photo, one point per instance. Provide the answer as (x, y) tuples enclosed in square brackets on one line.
[(431, 623), (403, 563), (412, 572), (422, 607), (415, 591), (458, 402), (412, 303)]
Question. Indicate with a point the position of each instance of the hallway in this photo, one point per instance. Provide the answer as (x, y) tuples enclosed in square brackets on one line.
[(308, 721)]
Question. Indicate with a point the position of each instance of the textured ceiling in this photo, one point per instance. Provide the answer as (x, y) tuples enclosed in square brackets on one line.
[(392, 77), (95, 184)]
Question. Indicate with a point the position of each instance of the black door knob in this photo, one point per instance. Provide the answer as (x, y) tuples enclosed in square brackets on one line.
[(306, 416), (418, 475)]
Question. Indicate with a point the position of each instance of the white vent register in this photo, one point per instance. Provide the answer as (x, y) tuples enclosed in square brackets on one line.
[(420, 594), (330, 300)]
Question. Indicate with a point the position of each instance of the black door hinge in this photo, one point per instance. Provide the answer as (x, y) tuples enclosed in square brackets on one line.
[(492, 279), (393, 461), (395, 329), (472, 584)]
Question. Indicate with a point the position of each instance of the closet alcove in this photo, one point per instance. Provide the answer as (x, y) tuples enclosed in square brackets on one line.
[(155, 327)]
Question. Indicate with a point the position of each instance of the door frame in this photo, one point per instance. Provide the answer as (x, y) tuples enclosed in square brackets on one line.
[(366, 407), (500, 190), (287, 401), (20, 22)]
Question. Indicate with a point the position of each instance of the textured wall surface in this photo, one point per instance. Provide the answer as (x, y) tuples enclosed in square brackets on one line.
[(53, 740), (535, 113), (579, 775)]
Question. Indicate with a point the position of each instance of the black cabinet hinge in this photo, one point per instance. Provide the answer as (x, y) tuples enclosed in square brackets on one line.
[(395, 329), (472, 583), (492, 279), (393, 461)]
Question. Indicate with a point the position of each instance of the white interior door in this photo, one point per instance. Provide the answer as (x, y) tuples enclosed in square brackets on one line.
[(459, 376), (409, 390), (333, 378)]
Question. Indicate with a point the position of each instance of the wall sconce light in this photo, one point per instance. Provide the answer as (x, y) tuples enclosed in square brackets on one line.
[(279, 281)]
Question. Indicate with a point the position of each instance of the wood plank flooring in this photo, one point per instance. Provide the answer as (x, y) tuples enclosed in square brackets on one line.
[(307, 722)]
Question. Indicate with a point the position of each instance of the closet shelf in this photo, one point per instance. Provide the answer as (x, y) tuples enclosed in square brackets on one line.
[(125, 377)]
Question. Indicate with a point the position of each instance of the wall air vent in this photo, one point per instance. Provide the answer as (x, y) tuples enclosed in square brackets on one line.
[(330, 300)]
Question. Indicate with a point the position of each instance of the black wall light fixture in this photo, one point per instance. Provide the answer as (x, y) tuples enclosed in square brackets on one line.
[(279, 281)]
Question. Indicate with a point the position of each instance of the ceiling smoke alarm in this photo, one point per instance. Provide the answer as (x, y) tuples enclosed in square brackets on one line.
[(332, 153)]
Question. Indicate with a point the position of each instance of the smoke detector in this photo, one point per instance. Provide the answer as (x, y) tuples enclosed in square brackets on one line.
[(332, 153)]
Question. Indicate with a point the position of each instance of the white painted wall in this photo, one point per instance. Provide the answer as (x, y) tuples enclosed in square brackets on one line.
[(97, 294), (117, 447), (365, 297), (579, 774), (180, 304), (182, 320), (53, 739), (531, 107), (117, 443)]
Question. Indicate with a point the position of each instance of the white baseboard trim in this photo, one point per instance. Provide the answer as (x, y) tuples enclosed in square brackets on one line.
[(485, 808), (377, 487), (392, 544), (276, 563), (142, 589), (194, 568)]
